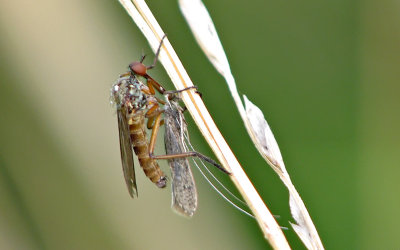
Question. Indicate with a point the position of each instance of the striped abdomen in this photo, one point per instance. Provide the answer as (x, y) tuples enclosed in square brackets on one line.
[(141, 148)]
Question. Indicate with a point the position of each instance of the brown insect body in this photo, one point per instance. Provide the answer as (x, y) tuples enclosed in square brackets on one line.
[(132, 103), (141, 147)]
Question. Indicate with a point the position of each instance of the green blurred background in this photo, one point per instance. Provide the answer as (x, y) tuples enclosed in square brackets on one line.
[(325, 73)]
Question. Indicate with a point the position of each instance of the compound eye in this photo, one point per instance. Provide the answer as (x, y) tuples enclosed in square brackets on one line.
[(138, 68)]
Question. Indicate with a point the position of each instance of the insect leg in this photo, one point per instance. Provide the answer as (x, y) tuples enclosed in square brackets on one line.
[(150, 122), (191, 154), (153, 84), (157, 53), (171, 93), (125, 74), (152, 114), (154, 132)]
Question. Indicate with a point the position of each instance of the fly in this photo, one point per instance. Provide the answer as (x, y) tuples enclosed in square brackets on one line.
[(135, 101), (133, 106)]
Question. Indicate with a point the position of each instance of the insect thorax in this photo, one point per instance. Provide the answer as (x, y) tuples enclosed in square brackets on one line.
[(127, 92)]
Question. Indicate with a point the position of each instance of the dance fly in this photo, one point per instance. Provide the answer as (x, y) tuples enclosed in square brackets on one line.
[(133, 105), (135, 102)]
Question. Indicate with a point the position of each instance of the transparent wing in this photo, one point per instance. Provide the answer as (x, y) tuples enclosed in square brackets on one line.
[(184, 193), (126, 152)]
